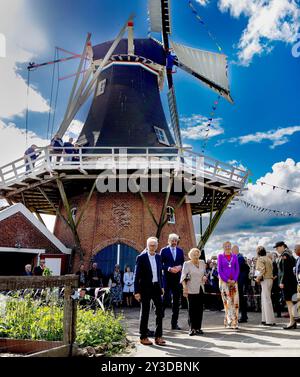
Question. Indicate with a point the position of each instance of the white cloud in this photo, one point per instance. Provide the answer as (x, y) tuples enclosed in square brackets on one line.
[(268, 21), (74, 129), (277, 137), (237, 164), (202, 2), (248, 241), (250, 228), (13, 142), (14, 20), (195, 127)]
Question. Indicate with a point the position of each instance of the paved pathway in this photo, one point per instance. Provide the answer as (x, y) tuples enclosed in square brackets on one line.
[(252, 339)]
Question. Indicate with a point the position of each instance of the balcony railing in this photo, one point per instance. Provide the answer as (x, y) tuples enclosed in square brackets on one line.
[(86, 159)]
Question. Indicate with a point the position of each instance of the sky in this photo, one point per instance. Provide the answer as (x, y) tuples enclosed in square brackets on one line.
[(260, 131)]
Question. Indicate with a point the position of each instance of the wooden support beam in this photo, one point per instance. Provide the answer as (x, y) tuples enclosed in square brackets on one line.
[(212, 209), (201, 226), (70, 217), (40, 217), (214, 223), (162, 219), (86, 204), (30, 186), (56, 209), (148, 208)]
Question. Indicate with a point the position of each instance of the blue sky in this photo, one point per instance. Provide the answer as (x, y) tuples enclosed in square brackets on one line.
[(256, 36)]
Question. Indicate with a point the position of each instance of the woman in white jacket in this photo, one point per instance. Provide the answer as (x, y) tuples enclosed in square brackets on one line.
[(193, 279), (128, 285)]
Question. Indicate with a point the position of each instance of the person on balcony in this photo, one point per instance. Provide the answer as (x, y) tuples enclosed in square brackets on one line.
[(56, 147), (68, 149), (30, 155)]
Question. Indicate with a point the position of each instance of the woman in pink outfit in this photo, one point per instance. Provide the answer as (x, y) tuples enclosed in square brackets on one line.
[(228, 269)]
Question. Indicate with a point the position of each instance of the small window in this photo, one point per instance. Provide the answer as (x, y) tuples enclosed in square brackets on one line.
[(101, 87), (161, 135), (171, 215)]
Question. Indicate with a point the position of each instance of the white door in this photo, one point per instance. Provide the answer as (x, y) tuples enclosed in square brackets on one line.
[(54, 264)]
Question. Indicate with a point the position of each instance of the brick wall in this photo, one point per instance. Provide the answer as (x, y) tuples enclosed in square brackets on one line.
[(18, 229), (122, 217)]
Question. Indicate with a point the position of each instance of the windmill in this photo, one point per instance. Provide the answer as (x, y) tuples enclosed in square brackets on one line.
[(126, 118)]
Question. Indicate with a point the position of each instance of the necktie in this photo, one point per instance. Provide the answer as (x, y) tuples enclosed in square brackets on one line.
[(174, 253)]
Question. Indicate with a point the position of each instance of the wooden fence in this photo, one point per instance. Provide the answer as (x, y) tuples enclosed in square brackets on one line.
[(69, 282)]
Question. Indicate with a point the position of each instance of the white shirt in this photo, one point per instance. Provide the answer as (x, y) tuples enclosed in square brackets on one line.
[(173, 251), (153, 267)]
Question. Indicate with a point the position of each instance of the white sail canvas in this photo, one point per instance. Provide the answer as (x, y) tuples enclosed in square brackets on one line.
[(208, 65), (154, 7)]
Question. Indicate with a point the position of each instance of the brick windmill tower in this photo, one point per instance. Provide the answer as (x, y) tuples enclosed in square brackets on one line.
[(99, 212)]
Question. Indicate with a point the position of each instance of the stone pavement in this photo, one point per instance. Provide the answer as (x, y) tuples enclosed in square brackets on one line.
[(252, 339)]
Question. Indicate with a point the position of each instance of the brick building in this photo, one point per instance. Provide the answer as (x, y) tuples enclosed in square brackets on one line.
[(24, 240), (115, 227)]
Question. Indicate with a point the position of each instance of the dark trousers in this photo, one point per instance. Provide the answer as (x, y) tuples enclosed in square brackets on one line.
[(172, 288), (155, 295), (242, 300), (276, 301), (195, 309)]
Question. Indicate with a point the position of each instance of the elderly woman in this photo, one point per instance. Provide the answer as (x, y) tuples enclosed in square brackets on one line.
[(228, 267), (193, 279), (264, 276)]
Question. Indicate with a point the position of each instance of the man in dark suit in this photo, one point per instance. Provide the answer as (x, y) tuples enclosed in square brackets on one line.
[(242, 283), (172, 258), (148, 286)]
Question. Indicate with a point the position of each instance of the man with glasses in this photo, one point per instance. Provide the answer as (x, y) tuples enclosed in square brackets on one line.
[(148, 286)]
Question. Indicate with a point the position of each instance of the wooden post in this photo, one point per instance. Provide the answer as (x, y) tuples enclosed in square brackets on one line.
[(68, 315)]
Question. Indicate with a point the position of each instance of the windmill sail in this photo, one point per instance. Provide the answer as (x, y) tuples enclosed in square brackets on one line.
[(158, 21), (209, 67)]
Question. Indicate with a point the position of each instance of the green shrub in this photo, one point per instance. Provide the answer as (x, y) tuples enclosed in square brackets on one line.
[(99, 328), (25, 318)]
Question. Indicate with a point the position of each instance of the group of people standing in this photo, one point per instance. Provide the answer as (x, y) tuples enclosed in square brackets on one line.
[(68, 150), (121, 285), (159, 275)]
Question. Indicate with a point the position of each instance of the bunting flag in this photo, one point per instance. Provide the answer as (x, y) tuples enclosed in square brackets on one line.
[(268, 211), (287, 190), (210, 120), (201, 21)]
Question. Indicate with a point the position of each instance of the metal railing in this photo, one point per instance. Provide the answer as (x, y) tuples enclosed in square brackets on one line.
[(85, 159)]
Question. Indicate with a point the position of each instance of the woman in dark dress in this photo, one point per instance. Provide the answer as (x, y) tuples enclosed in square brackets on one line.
[(115, 284), (286, 279)]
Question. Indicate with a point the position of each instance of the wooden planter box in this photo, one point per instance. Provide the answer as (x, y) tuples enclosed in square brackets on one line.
[(35, 348)]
